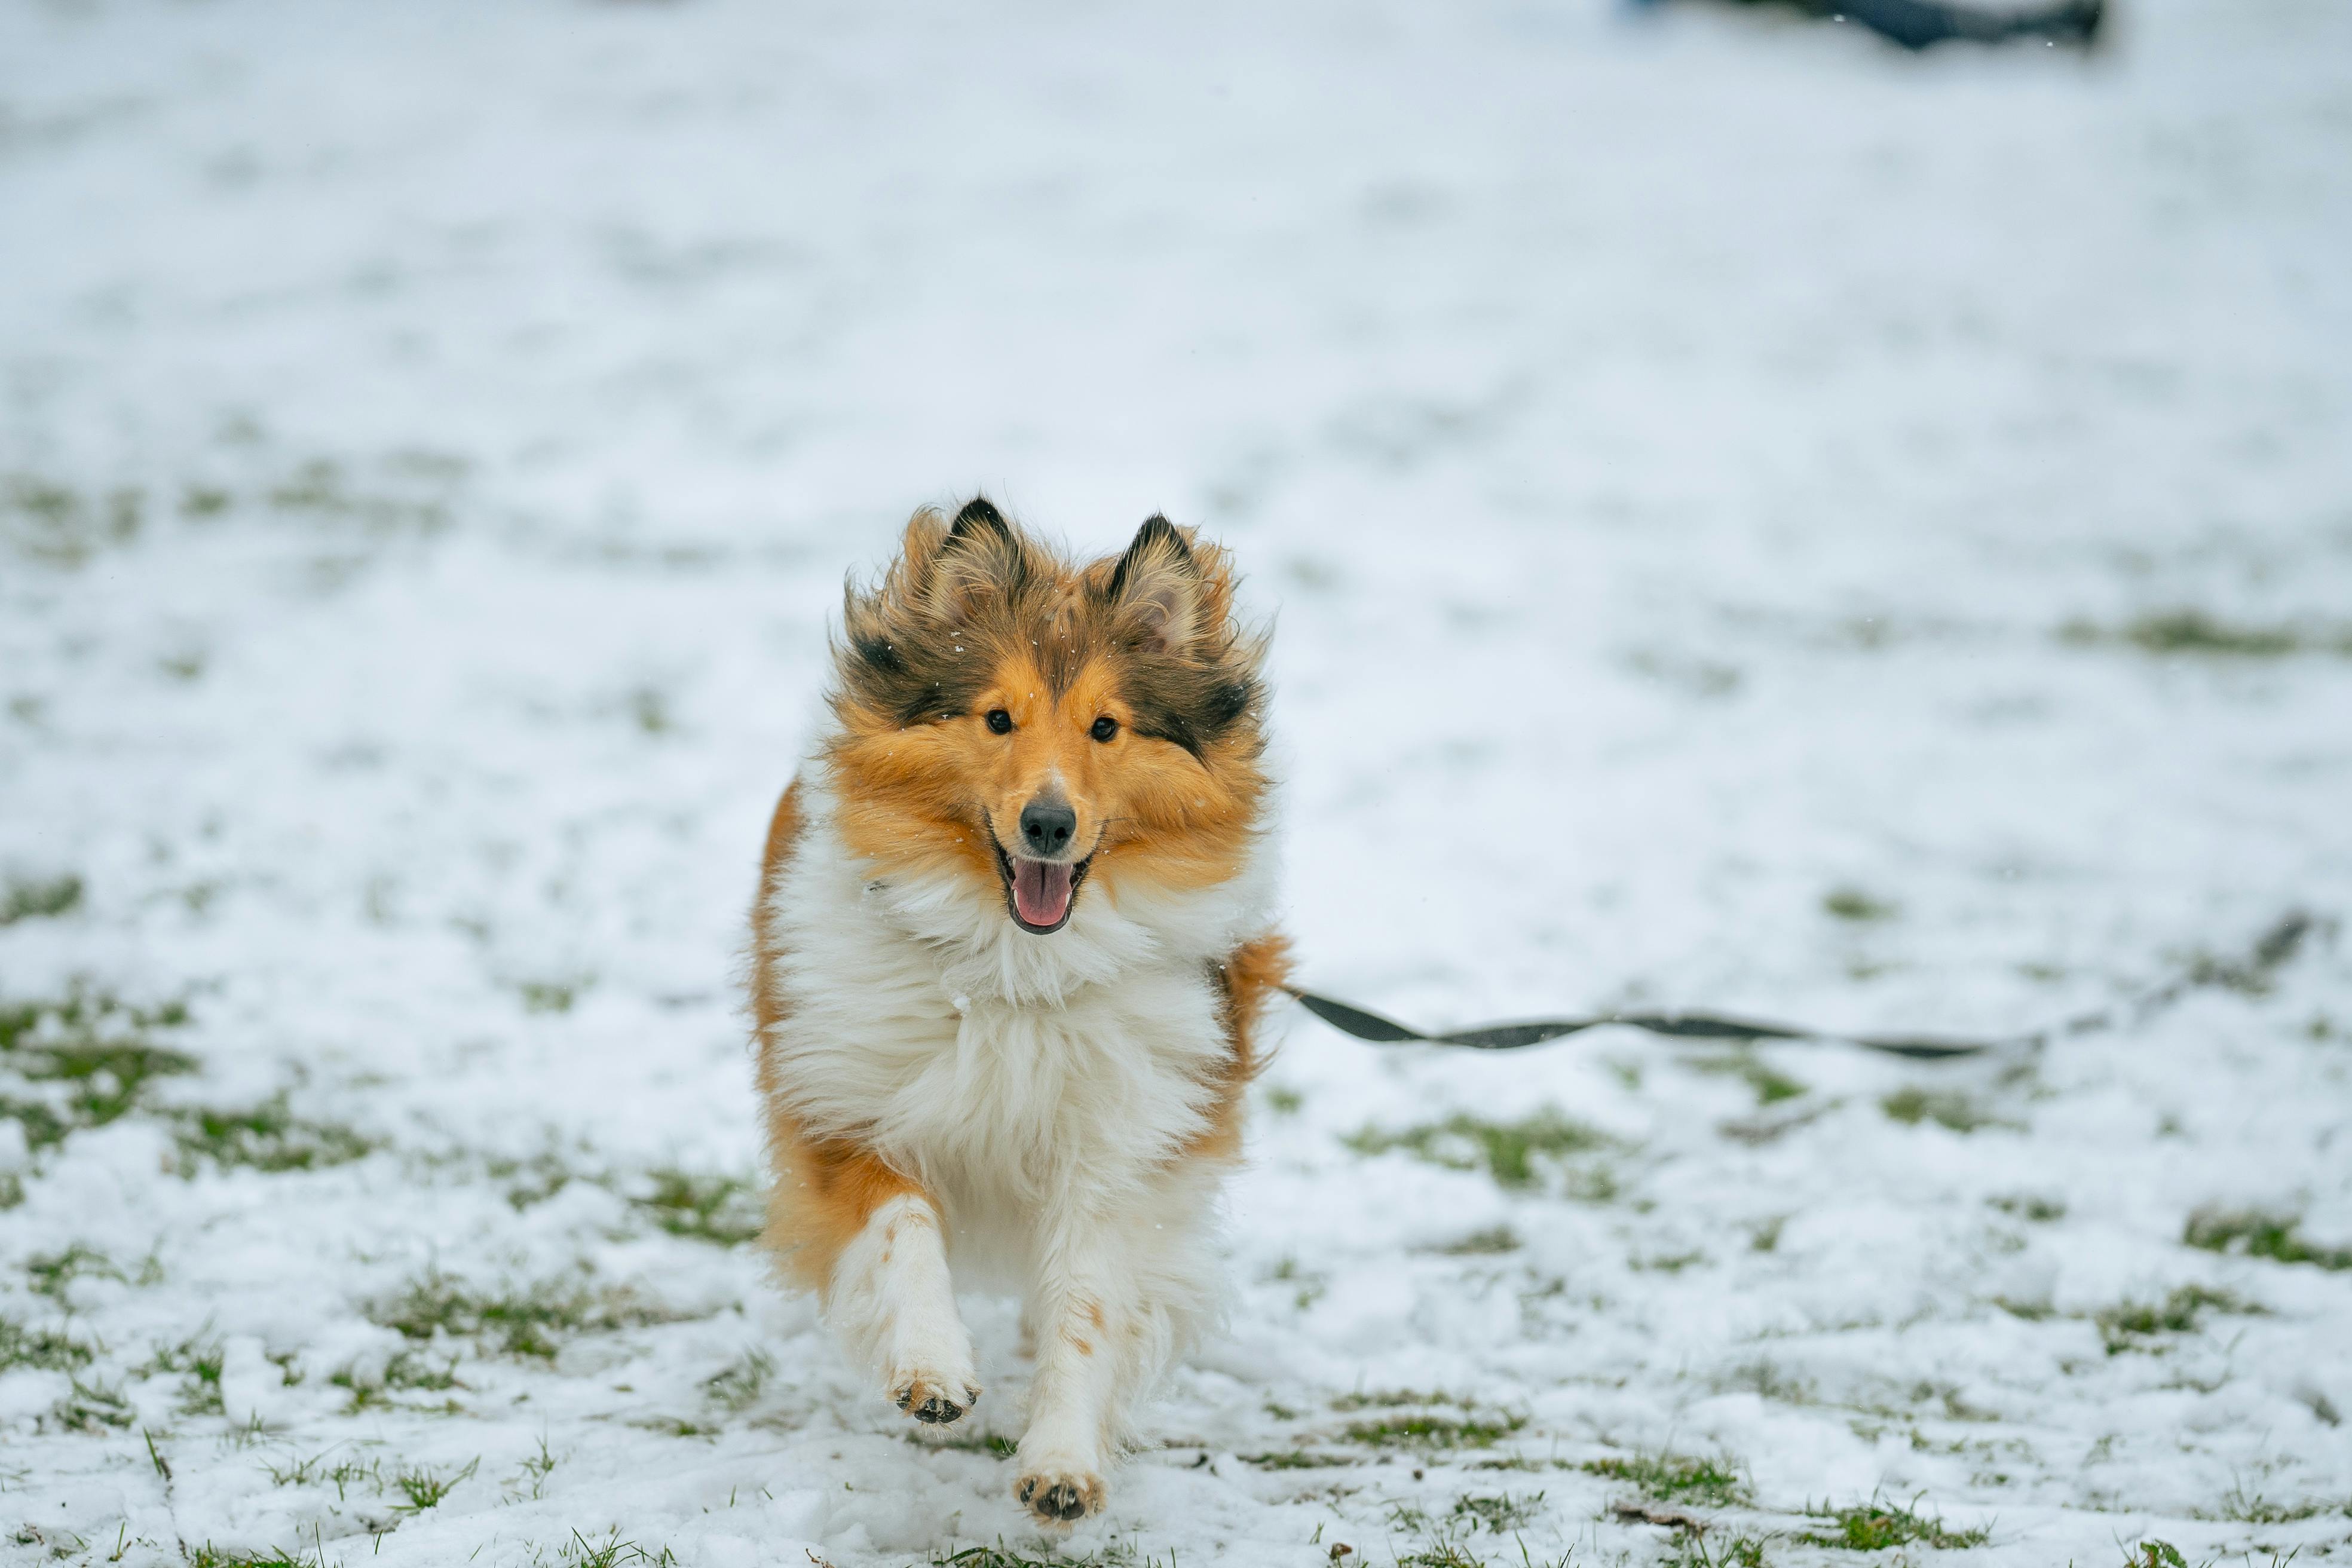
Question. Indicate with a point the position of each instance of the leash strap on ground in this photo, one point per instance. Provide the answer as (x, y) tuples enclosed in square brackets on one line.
[(2275, 947)]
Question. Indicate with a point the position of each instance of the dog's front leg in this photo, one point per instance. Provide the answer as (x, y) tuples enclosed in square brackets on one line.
[(1118, 1293), (1079, 1316), (894, 1306)]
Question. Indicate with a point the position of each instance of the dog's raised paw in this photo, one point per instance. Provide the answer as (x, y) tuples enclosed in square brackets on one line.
[(929, 1401), (1059, 1497)]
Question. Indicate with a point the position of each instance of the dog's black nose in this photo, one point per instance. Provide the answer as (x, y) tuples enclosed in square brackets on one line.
[(1047, 827)]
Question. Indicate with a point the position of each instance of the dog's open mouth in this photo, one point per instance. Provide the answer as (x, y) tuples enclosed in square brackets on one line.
[(1039, 893)]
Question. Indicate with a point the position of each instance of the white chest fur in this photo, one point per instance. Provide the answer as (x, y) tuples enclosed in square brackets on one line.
[(1012, 1074)]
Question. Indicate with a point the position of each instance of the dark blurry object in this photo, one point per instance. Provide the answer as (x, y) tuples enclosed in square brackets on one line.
[(1923, 24)]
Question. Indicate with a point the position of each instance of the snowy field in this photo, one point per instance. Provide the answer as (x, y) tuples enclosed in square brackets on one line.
[(1755, 521)]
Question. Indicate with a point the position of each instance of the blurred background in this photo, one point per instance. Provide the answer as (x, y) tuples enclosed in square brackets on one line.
[(1756, 516)]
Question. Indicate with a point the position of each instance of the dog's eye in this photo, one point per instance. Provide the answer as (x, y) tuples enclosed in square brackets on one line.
[(1105, 728), (1000, 721)]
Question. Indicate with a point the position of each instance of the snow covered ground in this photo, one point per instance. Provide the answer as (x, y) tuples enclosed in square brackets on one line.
[(1755, 521)]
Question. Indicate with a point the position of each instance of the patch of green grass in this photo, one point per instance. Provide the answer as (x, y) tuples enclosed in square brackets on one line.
[(1499, 1513), (81, 1062), (2194, 632), (1728, 1552), (41, 1350), (2028, 1207), (549, 995), (366, 1396), (405, 1371), (1765, 1381), (50, 1273), (211, 1556), (521, 1320), (737, 1386), (724, 1210), (1424, 1429), (533, 1180), (1448, 1540), (296, 1472), (1875, 1526), (1771, 1085), (200, 1389), (1310, 1287), (2154, 1554), (409, 1369), (994, 1444), (1439, 1546), (197, 1361), (1297, 1460), (532, 1479), (2256, 1235), (650, 706), (2254, 972), (1486, 1243), (345, 1474), (1520, 1464), (59, 526), (1284, 1100), (611, 1553), (421, 1489), (267, 1137), (1676, 1477), (89, 1408), (1507, 1151), (1851, 903), (319, 491), (1394, 1399), (2130, 1325), (61, 1542), (1664, 1262), (1946, 1108), (2252, 1507), (40, 900)]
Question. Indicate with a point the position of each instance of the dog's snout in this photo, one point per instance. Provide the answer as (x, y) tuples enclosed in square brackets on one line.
[(1047, 827)]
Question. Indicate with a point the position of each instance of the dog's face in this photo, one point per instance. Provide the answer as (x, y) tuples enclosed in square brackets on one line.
[(1007, 716)]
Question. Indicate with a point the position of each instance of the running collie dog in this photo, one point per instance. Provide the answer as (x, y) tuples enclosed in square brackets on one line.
[(1010, 955)]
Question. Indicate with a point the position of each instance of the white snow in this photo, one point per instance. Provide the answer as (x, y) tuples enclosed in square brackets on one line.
[(432, 437)]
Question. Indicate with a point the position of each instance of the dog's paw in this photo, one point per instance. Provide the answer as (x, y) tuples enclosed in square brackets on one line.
[(934, 1401), (1058, 1496)]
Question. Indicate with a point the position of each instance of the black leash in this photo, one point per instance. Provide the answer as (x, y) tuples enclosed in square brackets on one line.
[(2274, 948)]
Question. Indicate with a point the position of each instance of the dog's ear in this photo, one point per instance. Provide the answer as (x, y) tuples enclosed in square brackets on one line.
[(980, 517), (1155, 590), (980, 558)]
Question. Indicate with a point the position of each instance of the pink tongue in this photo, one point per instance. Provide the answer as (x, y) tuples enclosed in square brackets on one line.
[(1040, 891)]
